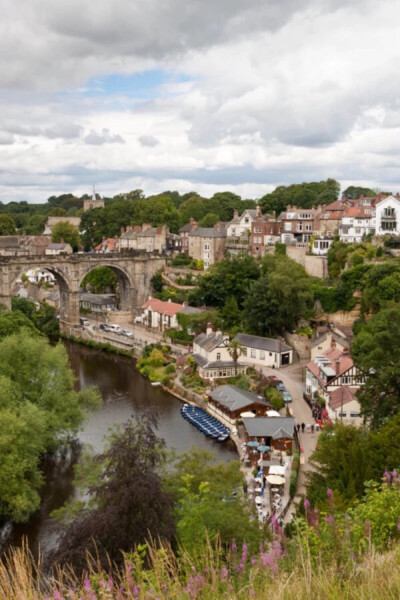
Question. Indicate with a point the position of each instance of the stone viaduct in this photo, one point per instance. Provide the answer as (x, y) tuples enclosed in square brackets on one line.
[(134, 271)]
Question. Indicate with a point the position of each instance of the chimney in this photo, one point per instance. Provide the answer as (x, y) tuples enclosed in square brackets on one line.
[(235, 214), (122, 230), (137, 228), (209, 329), (62, 241), (103, 238), (145, 226), (169, 299), (218, 331), (128, 227), (333, 343), (185, 304), (258, 210), (337, 366)]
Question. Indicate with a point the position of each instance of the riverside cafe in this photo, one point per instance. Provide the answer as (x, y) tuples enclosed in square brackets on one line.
[(276, 433)]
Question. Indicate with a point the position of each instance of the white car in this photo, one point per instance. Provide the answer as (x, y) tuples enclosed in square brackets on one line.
[(127, 332)]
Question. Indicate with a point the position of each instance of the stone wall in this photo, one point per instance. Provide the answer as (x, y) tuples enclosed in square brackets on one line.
[(316, 266)]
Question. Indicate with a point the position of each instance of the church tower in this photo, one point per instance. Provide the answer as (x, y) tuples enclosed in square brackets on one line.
[(93, 202)]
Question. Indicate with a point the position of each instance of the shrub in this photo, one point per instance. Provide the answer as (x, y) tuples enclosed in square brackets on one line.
[(170, 368)]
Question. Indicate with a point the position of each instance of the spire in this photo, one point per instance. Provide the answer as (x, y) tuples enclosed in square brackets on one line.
[(94, 192)]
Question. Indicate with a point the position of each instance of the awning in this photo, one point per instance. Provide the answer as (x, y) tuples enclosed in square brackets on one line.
[(247, 415), (276, 470), (275, 479)]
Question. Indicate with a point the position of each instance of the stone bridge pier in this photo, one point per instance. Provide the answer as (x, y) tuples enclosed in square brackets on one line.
[(134, 271)]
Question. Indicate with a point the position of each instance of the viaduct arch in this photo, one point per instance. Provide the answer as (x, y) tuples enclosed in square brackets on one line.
[(134, 272)]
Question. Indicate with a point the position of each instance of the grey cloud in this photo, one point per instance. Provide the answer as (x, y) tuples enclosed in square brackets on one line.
[(148, 140), (105, 137), (62, 44), (6, 139)]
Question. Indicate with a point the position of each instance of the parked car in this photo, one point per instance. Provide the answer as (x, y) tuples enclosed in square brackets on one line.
[(114, 328), (138, 320), (287, 397), (127, 332), (84, 322), (104, 327), (280, 387)]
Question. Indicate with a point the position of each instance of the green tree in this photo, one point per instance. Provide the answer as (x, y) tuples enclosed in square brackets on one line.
[(129, 504), (14, 321), (100, 280), (209, 220), (66, 232), (7, 225), (235, 350), (340, 463), (376, 353), (230, 314), (226, 279), (355, 192), (279, 298)]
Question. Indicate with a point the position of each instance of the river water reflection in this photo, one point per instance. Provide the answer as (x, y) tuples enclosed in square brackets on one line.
[(125, 394)]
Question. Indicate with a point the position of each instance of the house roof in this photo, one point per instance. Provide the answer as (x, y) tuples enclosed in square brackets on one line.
[(164, 308), (340, 362), (9, 241), (110, 243), (190, 310), (234, 398), (99, 299), (208, 232), (60, 246), (262, 343), (209, 341), (343, 395), (357, 212), (269, 427)]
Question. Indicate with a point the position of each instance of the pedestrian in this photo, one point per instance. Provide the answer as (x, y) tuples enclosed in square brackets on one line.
[(298, 427), (312, 428), (264, 481), (303, 425)]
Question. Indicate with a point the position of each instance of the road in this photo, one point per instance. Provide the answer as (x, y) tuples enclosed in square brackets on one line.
[(292, 377)]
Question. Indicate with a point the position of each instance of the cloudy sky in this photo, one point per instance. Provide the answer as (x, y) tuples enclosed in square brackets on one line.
[(202, 95)]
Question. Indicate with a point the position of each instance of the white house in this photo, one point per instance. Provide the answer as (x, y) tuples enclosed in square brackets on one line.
[(321, 246), (333, 377), (344, 406), (159, 314), (210, 351), (239, 226), (264, 352), (387, 218), (40, 276), (357, 222), (56, 249)]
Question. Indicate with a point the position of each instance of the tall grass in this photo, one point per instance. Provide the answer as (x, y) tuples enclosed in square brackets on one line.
[(260, 578)]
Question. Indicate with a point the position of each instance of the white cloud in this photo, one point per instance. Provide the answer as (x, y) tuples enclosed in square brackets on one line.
[(258, 94)]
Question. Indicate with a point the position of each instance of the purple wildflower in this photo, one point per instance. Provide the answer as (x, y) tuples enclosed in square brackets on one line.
[(330, 519), (224, 573), (253, 560), (234, 546), (306, 503), (387, 477), (329, 493)]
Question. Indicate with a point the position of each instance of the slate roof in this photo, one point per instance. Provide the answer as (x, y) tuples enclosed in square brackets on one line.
[(208, 232), (99, 299), (234, 398), (210, 341), (60, 246), (9, 241), (269, 427), (262, 343), (190, 310)]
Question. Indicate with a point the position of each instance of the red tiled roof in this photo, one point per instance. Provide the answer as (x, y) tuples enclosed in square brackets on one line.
[(108, 243), (358, 212), (164, 308), (334, 355), (343, 395)]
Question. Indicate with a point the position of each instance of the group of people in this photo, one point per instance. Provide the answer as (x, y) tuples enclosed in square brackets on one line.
[(303, 427)]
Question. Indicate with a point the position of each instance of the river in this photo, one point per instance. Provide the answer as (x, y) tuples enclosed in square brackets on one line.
[(125, 394)]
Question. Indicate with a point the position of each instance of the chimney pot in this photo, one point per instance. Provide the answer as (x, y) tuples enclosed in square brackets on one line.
[(209, 328)]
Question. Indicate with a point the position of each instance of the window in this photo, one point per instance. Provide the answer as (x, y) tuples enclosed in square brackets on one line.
[(270, 353), (218, 355), (244, 351), (354, 415), (246, 220), (262, 355), (206, 246), (253, 353), (342, 415), (346, 380)]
